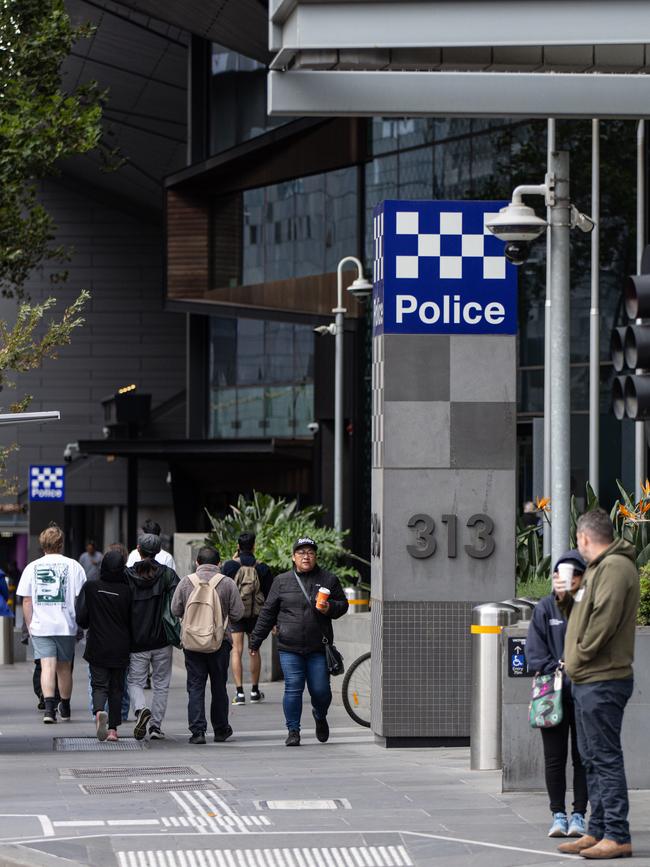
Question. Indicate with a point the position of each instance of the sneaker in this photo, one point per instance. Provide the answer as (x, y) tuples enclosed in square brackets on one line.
[(198, 738), (112, 735), (256, 695), (577, 825), (322, 729), (220, 737), (293, 739), (41, 704), (155, 734), (142, 717), (101, 723), (49, 717), (64, 710), (239, 698), (560, 826)]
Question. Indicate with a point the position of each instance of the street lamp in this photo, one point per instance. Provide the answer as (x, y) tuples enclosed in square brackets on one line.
[(361, 289), (518, 225)]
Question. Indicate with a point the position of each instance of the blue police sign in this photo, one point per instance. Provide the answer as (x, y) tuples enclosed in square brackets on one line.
[(438, 270), (47, 483)]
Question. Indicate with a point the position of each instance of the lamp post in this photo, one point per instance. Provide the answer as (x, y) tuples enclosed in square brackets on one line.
[(518, 226), (360, 288)]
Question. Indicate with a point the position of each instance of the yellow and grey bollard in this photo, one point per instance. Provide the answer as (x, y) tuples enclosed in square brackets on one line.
[(485, 725)]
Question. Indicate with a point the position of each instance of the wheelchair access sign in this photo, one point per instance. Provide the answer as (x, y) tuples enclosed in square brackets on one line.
[(46, 483), (437, 269)]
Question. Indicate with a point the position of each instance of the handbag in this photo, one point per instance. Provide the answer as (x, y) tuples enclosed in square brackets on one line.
[(333, 657), (545, 708), (171, 623)]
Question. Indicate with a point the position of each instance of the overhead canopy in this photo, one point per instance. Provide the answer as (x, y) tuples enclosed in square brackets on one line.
[(573, 58)]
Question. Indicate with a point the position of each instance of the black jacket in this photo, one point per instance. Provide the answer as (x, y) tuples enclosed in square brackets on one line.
[(300, 626), (103, 607), (148, 593), (545, 642)]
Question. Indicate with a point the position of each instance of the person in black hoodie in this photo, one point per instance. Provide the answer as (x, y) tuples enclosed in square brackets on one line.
[(544, 652), (103, 607), (150, 584), (291, 604)]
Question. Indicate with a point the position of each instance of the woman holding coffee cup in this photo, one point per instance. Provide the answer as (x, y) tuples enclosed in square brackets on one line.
[(302, 603), (544, 653)]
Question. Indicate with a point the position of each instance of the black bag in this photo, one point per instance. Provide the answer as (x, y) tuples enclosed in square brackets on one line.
[(333, 657)]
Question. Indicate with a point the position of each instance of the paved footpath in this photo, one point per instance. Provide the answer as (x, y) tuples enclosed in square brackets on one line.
[(251, 802)]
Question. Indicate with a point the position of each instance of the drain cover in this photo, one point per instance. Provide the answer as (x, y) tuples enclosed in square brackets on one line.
[(90, 744), (167, 770), (143, 786)]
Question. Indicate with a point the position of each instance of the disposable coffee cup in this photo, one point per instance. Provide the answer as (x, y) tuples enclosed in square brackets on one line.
[(322, 597), (565, 571)]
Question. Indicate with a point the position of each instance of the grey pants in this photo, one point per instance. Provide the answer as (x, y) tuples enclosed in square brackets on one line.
[(161, 675)]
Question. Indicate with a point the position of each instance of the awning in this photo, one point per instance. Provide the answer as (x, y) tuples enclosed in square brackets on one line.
[(296, 449)]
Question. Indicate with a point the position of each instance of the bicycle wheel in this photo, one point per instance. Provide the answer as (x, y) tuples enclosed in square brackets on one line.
[(356, 690)]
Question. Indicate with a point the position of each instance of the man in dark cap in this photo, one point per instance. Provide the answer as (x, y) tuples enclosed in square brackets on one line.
[(302, 628), (151, 585), (104, 608)]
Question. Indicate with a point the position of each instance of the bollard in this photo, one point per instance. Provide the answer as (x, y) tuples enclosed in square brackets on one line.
[(358, 599), (7, 641), (524, 607), (485, 725)]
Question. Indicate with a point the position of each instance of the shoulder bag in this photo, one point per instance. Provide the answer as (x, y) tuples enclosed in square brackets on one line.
[(334, 658), (171, 623), (545, 708)]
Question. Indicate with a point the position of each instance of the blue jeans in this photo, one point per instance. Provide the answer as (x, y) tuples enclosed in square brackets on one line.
[(298, 668), (599, 716)]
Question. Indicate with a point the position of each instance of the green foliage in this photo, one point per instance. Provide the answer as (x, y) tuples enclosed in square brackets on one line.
[(643, 615), (40, 125), (277, 524)]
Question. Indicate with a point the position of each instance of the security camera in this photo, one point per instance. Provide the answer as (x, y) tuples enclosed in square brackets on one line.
[(581, 221), (325, 329), (313, 427), (518, 225), (71, 452)]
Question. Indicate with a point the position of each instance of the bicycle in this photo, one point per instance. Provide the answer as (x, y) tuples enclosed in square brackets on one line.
[(356, 690)]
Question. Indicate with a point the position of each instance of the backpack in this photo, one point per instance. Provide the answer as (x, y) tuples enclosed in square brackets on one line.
[(203, 627), (248, 584)]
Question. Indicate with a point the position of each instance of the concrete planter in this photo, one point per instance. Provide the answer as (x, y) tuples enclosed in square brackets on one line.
[(523, 761)]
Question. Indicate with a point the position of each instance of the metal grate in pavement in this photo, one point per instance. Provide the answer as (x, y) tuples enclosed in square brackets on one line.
[(342, 856), (81, 773), (92, 745), (137, 786)]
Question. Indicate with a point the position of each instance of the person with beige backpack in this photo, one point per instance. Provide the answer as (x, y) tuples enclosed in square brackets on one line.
[(207, 603)]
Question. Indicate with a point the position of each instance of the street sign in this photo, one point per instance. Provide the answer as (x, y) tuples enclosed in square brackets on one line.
[(46, 483), (438, 270), (517, 665)]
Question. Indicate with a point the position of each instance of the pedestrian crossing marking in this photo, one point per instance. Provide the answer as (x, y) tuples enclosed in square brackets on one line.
[(329, 856)]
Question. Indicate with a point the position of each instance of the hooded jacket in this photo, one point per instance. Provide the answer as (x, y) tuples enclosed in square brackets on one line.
[(149, 581), (599, 643), (300, 626), (103, 607)]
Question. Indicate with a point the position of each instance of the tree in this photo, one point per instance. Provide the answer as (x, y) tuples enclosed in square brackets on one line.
[(40, 124)]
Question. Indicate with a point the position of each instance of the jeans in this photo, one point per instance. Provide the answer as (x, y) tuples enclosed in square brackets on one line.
[(199, 667), (125, 696), (556, 750), (599, 716), (161, 675), (108, 687), (298, 668)]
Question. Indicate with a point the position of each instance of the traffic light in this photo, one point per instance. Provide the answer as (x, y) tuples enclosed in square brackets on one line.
[(630, 349)]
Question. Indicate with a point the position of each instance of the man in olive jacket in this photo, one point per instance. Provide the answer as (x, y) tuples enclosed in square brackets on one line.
[(291, 605), (598, 655)]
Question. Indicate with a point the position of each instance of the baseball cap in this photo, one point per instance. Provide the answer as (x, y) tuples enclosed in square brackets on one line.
[(574, 558), (149, 544), (304, 542)]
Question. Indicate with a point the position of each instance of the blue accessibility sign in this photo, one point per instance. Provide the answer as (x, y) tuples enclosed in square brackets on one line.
[(46, 483), (437, 269)]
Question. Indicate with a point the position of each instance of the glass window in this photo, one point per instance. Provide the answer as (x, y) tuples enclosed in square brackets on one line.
[(261, 378)]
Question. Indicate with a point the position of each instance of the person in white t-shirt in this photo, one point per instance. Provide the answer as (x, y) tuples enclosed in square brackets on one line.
[(163, 557), (49, 587)]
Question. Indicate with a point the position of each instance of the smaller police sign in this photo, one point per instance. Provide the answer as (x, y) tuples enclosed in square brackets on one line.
[(438, 270), (47, 483)]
